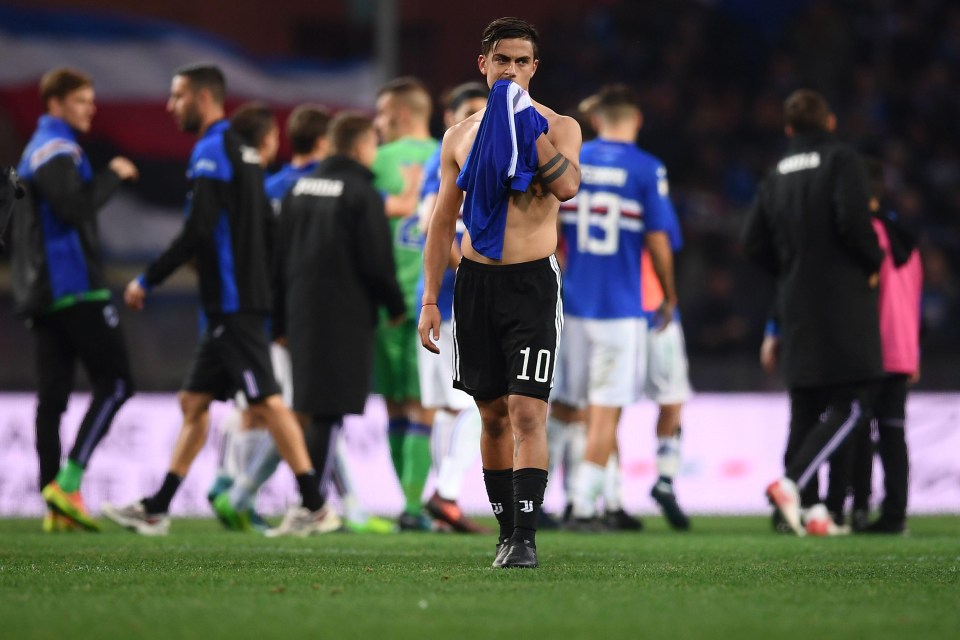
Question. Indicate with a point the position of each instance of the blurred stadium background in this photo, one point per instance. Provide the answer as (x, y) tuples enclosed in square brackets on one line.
[(712, 75)]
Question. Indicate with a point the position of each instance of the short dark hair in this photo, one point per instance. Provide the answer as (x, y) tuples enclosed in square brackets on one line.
[(806, 110), (205, 76), (59, 83), (463, 92), (305, 125), (411, 92), (252, 120), (345, 130), (614, 101), (507, 28), (874, 176)]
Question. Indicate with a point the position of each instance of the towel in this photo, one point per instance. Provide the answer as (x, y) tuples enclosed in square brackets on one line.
[(503, 159)]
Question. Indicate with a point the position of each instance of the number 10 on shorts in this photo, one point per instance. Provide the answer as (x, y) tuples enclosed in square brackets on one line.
[(542, 369)]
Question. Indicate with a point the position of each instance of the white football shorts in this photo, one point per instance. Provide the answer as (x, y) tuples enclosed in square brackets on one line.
[(600, 362), (436, 375), (667, 379)]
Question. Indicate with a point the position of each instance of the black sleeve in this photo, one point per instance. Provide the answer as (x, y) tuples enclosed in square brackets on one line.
[(205, 206), (9, 192), (757, 237), (71, 199), (373, 247), (851, 199), (278, 267)]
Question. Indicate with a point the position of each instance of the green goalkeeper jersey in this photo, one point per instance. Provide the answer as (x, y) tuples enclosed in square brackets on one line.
[(407, 237)]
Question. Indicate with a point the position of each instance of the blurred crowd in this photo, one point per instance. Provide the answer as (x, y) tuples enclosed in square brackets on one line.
[(713, 77)]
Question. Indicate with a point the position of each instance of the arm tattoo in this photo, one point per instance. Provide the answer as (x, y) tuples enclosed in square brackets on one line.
[(556, 174), (554, 160)]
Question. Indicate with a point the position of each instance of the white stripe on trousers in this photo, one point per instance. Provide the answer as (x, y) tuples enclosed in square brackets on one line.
[(100, 422), (832, 445)]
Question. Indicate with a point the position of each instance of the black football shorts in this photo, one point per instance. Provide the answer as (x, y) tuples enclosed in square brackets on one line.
[(507, 321), (233, 355)]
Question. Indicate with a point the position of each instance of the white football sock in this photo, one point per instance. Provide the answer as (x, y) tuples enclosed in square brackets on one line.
[(229, 426), (264, 462), (668, 456), (345, 486), (557, 443), (576, 447), (461, 454), (586, 488), (611, 485)]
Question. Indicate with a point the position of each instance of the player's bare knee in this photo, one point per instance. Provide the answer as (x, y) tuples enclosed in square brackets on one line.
[(268, 410), (527, 416), (494, 417)]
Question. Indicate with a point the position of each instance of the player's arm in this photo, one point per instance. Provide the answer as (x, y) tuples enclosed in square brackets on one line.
[(661, 257), (71, 199), (770, 347), (427, 205), (405, 203), (559, 159), (440, 234), (205, 206)]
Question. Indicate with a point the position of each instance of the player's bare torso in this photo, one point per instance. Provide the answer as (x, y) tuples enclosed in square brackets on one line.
[(531, 230)]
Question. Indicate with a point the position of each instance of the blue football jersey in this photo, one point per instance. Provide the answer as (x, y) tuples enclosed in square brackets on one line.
[(623, 194), (278, 184)]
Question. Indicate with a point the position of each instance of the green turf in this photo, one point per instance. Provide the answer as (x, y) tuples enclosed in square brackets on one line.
[(729, 578)]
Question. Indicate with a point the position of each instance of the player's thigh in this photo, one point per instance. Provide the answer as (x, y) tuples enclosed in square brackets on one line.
[(409, 362), (436, 375), (388, 362), (282, 371), (245, 352), (531, 339), (207, 373), (100, 343), (668, 373), (56, 358), (614, 361), (571, 375)]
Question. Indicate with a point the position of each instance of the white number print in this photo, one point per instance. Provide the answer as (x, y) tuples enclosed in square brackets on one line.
[(609, 223), (543, 363)]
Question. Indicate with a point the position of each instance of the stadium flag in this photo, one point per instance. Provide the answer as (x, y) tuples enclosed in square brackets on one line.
[(131, 60)]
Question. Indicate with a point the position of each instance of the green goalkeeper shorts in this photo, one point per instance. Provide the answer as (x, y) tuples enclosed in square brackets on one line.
[(395, 374)]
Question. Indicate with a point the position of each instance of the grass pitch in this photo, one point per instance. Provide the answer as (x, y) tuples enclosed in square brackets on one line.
[(728, 578)]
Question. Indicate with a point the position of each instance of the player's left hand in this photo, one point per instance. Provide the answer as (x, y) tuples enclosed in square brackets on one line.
[(134, 295), (429, 327), (769, 353), (664, 315)]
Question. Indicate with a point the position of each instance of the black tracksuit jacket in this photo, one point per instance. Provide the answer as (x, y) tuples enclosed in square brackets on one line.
[(810, 227)]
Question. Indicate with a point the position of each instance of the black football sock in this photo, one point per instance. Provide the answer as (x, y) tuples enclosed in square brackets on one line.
[(309, 485), (499, 483), (160, 501), (321, 439), (529, 485)]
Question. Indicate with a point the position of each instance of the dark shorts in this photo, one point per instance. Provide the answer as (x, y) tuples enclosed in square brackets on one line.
[(89, 332), (233, 355), (507, 321)]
